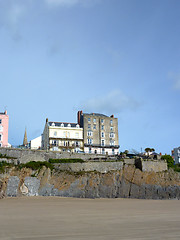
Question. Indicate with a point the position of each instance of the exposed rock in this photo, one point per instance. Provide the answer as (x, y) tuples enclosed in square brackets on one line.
[(32, 184), (12, 186)]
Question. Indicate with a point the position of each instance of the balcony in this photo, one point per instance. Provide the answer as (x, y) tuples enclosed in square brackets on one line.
[(101, 146)]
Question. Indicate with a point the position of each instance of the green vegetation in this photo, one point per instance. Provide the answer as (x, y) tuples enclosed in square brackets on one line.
[(4, 166), (149, 150), (66, 160), (5, 156), (169, 159), (176, 167), (35, 165)]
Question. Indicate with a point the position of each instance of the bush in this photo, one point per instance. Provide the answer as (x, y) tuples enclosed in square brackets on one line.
[(66, 160), (169, 159), (36, 165), (4, 165)]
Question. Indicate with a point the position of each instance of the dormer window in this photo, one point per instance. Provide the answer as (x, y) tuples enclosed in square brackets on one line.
[(62, 124), (53, 124), (55, 134), (77, 125), (69, 125)]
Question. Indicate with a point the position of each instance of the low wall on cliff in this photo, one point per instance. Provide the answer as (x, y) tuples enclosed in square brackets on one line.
[(102, 167), (27, 155), (154, 165)]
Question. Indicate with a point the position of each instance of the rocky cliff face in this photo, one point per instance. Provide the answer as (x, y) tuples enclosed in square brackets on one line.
[(129, 182)]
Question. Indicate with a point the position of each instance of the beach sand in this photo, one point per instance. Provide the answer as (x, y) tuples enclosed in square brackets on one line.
[(69, 218)]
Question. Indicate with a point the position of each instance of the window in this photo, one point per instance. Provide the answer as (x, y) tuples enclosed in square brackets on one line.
[(102, 142), (77, 125), (77, 135), (103, 152), (77, 144), (113, 151), (89, 141), (62, 124), (64, 143), (1, 128), (111, 135), (0, 145), (68, 134), (89, 119), (89, 126), (89, 150), (111, 122), (0, 121), (55, 133), (112, 142), (94, 120), (0, 137), (102, 120), (53, 124), (64, 134), (94, 126), (102, 134), (89, 133), (69, 125), (111, 128), (102, 127)]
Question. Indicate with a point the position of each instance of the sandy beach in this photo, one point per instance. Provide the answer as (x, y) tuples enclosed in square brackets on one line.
[(68, 218)]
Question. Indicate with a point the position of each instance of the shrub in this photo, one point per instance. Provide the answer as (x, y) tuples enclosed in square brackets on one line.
[(36, 165), (66, 160), (169, 159)]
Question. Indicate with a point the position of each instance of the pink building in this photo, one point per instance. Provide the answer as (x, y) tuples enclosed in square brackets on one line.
[(4, 120)]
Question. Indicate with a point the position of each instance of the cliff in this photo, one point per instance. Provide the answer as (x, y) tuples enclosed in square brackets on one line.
[(128, 182)]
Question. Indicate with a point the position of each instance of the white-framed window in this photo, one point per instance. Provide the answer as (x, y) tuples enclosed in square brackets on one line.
[(1, 128), (111, 128), (103, 151), (0, 137), (112, 142), (94, 120), (89, 119), (94, 126), (102, 127), (62, 124), (89, 133), (102, 142), (77, 135), (89, 126), (0, 121), (55, 133), (102, 120), (102, 134), (111, 122), (113, 151), (69, 125), (89, 141), (111, 135)]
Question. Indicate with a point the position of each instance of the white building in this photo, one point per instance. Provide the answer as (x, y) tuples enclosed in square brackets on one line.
[(35, 143), (61, 136), (176, 155)]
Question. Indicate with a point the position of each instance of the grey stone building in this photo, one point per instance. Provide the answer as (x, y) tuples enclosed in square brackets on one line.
[(100, 133)]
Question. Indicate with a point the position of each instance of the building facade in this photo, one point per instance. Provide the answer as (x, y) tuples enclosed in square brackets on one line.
[(176, 155), (100, 133), (60, 136), (4, 122), (35, 143)]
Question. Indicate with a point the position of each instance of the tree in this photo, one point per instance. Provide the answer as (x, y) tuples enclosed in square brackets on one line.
[(169, 160), (149, 150)]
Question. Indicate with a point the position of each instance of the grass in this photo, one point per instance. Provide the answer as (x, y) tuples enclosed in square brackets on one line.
[(4, 166), (66, 160)]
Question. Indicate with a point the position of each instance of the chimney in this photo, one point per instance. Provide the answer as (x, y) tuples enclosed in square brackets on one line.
[(79, 116), (5, 112), (112, 116), (46, 120)]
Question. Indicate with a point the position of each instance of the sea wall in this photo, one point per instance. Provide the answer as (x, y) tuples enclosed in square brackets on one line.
[(129, 182)]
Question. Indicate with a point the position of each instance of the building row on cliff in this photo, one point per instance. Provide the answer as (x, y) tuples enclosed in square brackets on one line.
[(93, 133)]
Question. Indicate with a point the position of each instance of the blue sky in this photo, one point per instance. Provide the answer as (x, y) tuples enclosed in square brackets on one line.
[(108, 56)]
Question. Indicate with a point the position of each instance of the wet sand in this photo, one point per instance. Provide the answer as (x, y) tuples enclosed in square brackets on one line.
[(68, 218)]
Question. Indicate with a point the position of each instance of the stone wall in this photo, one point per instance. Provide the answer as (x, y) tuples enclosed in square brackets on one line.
[(90, 166), (154, 165)]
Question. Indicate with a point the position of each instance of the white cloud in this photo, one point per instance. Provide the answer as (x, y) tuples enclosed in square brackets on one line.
[(176, 80), (112, 103)]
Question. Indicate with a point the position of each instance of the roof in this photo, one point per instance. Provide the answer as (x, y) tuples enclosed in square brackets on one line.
[(96, 114), (58, 124)]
